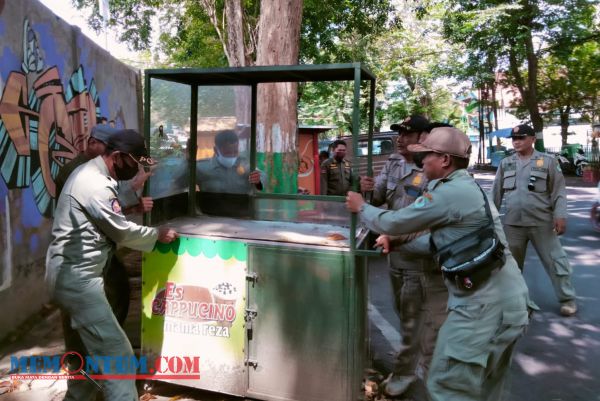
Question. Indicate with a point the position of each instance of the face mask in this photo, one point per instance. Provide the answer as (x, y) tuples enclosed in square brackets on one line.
[(126, 172), (226, 161)]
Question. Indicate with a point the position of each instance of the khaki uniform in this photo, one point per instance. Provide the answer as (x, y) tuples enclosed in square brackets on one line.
[(336, 177), (212, 176), (530, 215), (475, 344), (88, 222), (116, 279), (419, 291)]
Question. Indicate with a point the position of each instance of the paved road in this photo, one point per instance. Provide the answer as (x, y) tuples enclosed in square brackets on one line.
[(559, 358)]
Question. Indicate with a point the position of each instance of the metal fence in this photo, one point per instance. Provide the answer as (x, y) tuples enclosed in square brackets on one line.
[(591, 154)]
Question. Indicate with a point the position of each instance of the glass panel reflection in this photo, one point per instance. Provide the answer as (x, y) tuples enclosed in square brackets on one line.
[(169, 135)]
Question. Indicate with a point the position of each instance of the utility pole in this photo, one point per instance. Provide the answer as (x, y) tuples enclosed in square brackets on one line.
[(481, 155)]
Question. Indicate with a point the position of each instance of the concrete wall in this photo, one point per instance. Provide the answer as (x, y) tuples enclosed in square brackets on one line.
[(55, 85)]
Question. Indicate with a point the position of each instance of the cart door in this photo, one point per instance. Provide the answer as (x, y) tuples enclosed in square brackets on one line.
[(297, 324)]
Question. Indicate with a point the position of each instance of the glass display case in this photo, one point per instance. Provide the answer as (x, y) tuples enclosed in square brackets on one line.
[(268, 289)]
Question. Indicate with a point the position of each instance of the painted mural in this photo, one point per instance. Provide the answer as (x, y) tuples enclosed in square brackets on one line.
[(44, 123)]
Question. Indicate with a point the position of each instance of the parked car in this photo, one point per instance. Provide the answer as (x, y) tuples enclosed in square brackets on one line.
[(384, 145)]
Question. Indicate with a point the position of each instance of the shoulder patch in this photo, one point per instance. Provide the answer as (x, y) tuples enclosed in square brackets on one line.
[(418, 179), (423, 200), (115, 205)]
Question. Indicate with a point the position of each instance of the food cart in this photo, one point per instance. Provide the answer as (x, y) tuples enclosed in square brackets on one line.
[(272, 299)]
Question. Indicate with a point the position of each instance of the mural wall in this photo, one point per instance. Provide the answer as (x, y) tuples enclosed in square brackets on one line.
[(55, 85)]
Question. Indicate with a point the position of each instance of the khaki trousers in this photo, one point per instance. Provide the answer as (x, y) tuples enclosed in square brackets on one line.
[(101, 336), (420, 298), (474, 350), (551, 253)]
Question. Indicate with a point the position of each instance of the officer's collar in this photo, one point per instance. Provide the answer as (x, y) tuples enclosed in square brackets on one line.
[(453, 175), (99, 162)]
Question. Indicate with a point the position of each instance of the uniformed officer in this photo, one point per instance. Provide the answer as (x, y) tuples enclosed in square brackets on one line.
[(475, 344), (88, 222), (226, 171), (96, 146), (116, 278), (536, 210), (418, 287), (336, 172)]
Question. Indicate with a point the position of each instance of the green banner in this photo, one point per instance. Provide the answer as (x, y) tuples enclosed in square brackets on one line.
[(193, 304)]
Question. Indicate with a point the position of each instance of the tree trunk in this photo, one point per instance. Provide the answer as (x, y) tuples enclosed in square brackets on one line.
[(278, 44), (487, 104), (564, 123), (529, 92), (236, 51), (495, 106), (532, 100), (237, 56)]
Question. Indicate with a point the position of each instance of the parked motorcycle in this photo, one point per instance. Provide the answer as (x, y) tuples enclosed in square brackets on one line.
[(595, 212), (580, 162), (572, 167)]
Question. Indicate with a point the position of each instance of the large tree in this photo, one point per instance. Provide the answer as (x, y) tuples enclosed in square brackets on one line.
[(515, 34), (415, 59), (570, 83), (250, 32)]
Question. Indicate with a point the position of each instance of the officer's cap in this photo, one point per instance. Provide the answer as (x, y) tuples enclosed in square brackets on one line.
[(130, 142), (102, 132), (414, 123), (521, 131), (445, 140)]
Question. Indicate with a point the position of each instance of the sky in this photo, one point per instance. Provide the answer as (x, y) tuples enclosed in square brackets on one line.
[(109, 42)]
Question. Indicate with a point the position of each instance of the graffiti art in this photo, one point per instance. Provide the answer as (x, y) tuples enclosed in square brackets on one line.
[(43, 125)]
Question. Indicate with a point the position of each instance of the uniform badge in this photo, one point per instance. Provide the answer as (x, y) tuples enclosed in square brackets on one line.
[(539, 163), (417, 180), (423, 200), (241, 170), (115, 205)]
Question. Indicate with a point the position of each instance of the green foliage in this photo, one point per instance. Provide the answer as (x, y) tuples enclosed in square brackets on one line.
[(514, 36), (339, 31), (132, 18), (571, 80), (191, 41), (415, 60)]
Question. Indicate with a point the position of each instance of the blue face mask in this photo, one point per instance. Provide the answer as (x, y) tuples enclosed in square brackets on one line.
[(226, 161)]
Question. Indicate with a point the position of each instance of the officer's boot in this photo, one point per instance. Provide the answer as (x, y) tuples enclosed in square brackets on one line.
[(397, 385)]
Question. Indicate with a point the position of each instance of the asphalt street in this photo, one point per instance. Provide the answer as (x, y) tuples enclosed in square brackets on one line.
[(559, 358)]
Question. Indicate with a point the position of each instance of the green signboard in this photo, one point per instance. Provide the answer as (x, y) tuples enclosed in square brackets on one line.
[(193, 304)]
